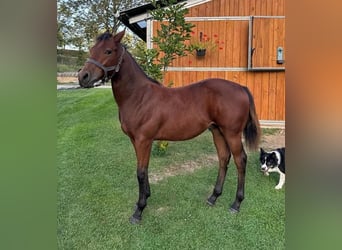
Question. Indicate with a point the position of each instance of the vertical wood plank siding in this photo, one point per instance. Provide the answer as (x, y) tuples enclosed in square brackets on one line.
[(231, 54), (265, 46)]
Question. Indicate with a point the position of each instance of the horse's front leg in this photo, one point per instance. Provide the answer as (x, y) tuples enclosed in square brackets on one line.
[(143, 151)]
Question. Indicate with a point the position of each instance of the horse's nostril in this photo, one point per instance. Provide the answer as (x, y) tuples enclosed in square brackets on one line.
[(85, 76)]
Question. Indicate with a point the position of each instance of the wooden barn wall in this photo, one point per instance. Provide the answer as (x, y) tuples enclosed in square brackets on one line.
[(239, 8), (230, 59), (265, 47), (231, 50)]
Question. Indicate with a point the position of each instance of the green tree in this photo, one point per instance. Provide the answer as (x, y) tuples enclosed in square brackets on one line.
[(170, 40), (173, 33), (80, 21), (147, 60)]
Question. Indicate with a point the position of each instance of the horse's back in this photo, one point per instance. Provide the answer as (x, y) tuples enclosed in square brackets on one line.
[(231, 93), (211, 84), (212, 99), (220, 84), (209, 92)]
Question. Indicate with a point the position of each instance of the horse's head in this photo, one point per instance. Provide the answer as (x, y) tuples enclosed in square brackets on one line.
[(105, 60)]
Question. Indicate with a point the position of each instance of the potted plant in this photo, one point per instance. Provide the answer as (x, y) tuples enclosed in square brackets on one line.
[(200, 51), (204, 43)]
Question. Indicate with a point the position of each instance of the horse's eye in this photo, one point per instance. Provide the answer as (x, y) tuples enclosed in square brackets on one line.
[(108, 51)]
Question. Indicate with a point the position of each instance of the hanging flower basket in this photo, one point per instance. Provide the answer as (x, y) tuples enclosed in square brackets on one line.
[(205, 43), (200, 52)]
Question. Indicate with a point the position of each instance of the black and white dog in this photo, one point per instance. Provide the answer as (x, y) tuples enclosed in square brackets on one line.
[(274, 161)]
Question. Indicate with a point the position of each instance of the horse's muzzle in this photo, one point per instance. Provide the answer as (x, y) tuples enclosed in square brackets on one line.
[(85, 79)]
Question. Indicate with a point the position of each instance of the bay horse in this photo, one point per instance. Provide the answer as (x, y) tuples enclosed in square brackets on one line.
[(149, 111)]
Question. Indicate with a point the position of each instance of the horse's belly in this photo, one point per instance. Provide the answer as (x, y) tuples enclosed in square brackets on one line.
[(174, 131)]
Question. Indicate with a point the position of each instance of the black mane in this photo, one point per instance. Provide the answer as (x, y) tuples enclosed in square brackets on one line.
[(104, 36)]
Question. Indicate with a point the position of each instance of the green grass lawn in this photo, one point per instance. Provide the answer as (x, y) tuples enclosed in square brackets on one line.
[(97, 189)]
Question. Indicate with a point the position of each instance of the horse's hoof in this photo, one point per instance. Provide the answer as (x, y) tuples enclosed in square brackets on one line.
[(134, 220), (233, 210), (211, 201)]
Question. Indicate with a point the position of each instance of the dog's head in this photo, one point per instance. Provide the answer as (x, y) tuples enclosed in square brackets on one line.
[(268, 160)]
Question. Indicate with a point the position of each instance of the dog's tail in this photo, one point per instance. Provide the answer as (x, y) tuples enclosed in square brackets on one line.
[(252, 131)]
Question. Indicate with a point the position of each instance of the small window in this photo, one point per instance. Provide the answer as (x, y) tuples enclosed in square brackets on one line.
[(142, 24)]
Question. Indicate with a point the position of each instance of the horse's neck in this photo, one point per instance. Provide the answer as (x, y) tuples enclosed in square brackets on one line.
[(130, 81)]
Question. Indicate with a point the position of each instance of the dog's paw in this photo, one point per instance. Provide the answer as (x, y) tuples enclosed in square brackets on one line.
[(278, 187), (266, 174)]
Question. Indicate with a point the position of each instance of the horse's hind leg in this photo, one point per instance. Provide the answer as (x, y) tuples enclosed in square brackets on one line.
[(240, 159), (223, 153)]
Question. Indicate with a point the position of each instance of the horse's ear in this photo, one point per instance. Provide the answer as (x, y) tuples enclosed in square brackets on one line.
[(119, 36)]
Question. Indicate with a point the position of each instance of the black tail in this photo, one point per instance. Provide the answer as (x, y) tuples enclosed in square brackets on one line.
[(252, 130)]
